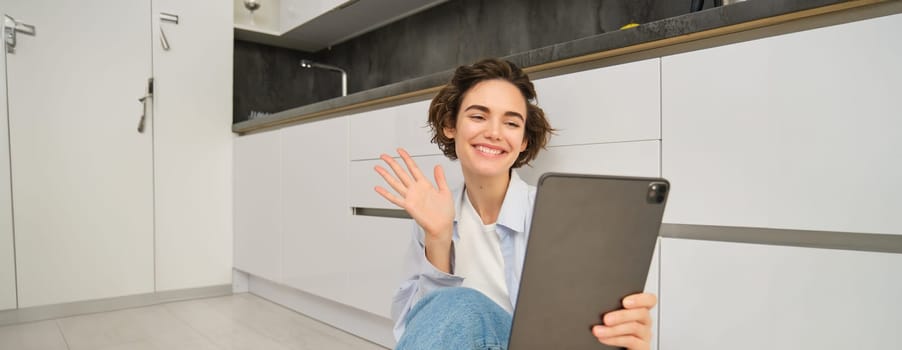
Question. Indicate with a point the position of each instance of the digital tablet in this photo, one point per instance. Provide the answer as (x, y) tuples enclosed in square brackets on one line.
[(590, 244)]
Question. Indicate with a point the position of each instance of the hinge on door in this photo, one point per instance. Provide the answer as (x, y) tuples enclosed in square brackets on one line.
[(10, 28)]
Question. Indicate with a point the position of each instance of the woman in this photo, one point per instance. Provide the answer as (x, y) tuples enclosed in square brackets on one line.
[(469, 243)]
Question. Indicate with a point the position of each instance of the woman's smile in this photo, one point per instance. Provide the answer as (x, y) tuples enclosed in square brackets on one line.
[(488, 150), (489, 132)]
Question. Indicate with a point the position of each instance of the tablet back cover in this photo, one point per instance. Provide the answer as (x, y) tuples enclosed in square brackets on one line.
[(591, 243)]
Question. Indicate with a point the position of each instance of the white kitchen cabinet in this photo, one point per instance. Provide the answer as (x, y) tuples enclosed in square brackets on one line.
[(193, 144), (364, 179), (275, 17), (315, 214), (82, 175), (7, 257), (258, 205), (749, 296), (265, 19), (610, 104), (296, 12), (384, 130), (640, 158), (795, 131), (376, 251)]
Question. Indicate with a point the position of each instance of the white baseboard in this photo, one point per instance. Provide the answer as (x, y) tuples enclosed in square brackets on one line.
[(47, 312), (239, 281), (360, 323)]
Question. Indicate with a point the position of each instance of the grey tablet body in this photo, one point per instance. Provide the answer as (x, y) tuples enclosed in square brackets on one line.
[(591, 243)]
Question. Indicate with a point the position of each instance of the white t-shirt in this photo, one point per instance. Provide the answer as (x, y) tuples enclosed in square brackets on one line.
[(477, 256)]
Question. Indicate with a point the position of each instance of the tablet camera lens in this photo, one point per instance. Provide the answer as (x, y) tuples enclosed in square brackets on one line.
[(656, 193)]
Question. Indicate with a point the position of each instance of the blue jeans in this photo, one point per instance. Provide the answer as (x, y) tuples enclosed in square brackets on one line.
[(456, 318)]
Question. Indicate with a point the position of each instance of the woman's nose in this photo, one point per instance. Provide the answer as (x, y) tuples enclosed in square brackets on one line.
[(493, 130)]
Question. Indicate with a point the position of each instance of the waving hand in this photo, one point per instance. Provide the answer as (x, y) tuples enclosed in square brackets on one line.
[(432, 207)]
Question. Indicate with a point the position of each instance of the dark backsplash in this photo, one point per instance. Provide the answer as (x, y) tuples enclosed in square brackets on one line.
[(269, 79)]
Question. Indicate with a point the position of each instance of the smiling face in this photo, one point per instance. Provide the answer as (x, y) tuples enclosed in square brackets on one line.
[(489, 133)]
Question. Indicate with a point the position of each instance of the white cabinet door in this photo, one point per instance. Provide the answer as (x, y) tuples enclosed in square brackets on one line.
[(610, 104), (376, 248), (316, 211), (81, 173), (640, 158), (384, 130), (717, 295), (795, 131), (296, 12), (265, 19), (193, 144), (7, 258), (258, 205)]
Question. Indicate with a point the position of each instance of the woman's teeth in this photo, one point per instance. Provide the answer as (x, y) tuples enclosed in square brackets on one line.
[(487, 150)]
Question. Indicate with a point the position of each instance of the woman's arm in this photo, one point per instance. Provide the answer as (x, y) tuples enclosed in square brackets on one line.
[(430, 256), (421, 278)]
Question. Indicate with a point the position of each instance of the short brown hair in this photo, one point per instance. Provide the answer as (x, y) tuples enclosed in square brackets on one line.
[(445, 106)]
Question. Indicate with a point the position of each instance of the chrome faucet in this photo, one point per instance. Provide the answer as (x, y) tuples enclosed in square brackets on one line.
[(344, 74)]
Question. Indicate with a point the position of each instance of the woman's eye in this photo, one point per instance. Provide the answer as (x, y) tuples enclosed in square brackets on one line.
[(477, 117), (513, 124)]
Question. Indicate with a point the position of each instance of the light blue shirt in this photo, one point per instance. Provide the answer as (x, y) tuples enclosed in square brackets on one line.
[(513, 227)]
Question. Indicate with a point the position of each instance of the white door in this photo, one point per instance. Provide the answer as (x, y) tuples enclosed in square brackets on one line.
[(193, 142), (7, 262), (81, 172)]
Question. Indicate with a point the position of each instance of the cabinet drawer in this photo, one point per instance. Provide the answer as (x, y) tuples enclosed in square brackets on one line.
[(798, 131), (376, 248), (382, 131), (625, 158), (610, 104), (363, 179), (717, 295)]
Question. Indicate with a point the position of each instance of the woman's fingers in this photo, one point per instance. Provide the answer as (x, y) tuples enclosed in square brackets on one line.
[(640, 300), (630, 328), (613, 318), (388, 196), (411, 165), (399, 172), (391, 181), (626, 342), (440, 178)]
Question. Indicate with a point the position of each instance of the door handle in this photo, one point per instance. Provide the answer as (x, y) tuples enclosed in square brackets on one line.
[(11, 27), (148, 96)]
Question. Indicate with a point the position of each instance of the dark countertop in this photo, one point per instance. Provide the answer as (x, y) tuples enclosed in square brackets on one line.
[(674, 27)]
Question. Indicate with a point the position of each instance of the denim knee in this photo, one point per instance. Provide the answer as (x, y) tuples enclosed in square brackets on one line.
[(456, 318)]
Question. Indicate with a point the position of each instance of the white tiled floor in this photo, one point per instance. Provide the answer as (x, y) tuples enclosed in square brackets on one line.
[(240, 321)]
